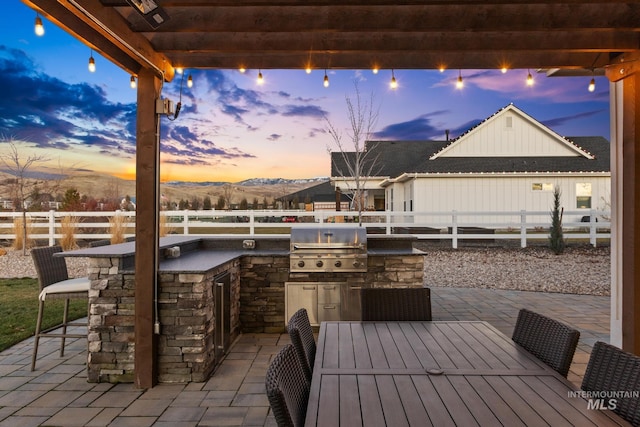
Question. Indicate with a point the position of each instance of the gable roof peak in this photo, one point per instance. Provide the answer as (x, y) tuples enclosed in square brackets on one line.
[(511, 107)]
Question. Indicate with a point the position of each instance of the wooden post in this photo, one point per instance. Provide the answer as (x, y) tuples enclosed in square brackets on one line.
[(631, 214), (147, 205)]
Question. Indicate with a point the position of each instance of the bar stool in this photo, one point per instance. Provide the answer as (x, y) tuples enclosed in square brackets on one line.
[(55, 284)]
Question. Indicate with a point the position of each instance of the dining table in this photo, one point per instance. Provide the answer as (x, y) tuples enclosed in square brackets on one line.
[(438, 373)]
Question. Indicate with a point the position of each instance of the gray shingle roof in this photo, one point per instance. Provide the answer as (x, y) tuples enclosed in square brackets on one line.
[(398, 157), (323, 192)]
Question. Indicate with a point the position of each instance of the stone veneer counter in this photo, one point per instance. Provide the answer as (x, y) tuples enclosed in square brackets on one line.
[(186, 299)]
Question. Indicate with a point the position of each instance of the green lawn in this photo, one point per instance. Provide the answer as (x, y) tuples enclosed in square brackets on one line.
[(19, 310)]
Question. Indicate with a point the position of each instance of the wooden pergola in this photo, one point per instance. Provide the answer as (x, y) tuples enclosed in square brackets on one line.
[(150, 38)]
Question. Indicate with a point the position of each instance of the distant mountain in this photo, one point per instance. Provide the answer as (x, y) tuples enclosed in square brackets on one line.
[(277, 181), (101, 185), (36, 175), (195, 183), (247, 182)]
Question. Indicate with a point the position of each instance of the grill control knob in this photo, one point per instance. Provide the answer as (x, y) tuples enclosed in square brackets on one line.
[(356, 264), (319, 263), (338, 263), (300, 264)]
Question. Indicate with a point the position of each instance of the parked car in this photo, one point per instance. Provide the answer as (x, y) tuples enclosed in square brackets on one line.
[(289, 219)]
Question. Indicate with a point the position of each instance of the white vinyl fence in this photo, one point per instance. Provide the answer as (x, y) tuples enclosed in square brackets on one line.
[(522, 225)]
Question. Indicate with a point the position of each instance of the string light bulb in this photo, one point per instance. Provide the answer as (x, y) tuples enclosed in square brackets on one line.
[(39, 28), (592, 84), (504, 70), (326, 79), (459, 82), (529, 78), (189, 81), (260, 78), (441, 68), (308, 69), (375, 69), (179, 70), (132, 82), (242, 70), (394, 83), (92, 63)]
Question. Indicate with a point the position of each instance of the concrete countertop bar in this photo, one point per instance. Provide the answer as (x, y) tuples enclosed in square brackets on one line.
[(201, 254)]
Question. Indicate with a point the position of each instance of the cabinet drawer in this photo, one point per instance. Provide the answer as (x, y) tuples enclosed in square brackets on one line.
[(328, 312), (329, 293)]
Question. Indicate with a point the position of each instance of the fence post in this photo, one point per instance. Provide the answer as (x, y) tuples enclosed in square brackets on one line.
[(52, 227), (185, 223), (252, 223), (523, 229), (592, 227), (388, 218), (454, 229)]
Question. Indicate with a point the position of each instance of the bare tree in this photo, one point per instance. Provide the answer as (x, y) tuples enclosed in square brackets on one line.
[(284, 191), (356, 162), (227, 193), (23, 187)]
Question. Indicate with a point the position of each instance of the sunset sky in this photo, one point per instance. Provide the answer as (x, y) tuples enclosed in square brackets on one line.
[(232, 129)]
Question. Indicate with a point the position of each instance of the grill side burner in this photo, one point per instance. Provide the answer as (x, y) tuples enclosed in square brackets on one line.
[(325, 250)]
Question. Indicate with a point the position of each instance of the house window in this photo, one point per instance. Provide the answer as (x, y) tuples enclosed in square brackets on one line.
[(583, 195), (541, 186)]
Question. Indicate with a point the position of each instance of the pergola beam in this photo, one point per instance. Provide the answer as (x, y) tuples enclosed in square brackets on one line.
[(380, 19)]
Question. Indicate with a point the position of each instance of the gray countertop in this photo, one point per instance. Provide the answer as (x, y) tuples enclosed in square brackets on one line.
[(201, 254), (202, 261)]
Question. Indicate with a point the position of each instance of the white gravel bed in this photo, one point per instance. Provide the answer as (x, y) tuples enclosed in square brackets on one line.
[(580, 270), (14, 264)]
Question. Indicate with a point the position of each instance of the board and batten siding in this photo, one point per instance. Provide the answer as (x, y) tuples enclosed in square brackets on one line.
[(491, 194), (510, 135)]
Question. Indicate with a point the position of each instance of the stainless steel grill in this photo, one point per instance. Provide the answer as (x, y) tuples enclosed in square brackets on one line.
[(328, 249)]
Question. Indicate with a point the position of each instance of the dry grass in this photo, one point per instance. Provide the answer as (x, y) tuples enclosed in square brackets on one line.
[(19, 242), (117, 228), (67, 229), (164, 226)]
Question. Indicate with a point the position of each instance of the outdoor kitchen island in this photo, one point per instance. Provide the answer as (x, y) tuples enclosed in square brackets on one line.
[(210, 290)]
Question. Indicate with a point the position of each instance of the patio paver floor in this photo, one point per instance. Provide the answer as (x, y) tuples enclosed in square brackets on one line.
[(57, 393)]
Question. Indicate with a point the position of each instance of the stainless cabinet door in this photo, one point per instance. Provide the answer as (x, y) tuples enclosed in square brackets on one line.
[(350, 302), (302, 295)]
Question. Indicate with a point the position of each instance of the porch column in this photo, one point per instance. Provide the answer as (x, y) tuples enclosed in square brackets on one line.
[(630, 204), (616, 115), (147, 202)]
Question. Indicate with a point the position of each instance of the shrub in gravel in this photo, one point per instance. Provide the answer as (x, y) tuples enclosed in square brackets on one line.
[(556, 239)]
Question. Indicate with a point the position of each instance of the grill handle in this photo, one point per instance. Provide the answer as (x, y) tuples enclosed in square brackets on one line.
[(302, 246)]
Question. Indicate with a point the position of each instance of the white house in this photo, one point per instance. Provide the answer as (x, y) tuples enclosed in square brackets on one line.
[(508, 162)]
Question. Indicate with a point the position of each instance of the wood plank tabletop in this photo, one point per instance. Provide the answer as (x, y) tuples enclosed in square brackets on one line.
[(440, 374)]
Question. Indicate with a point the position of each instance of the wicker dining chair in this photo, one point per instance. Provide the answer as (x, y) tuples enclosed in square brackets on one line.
[(287, 388), (551, 341), (611, 369), (396, 304), (303, 341), (55, 284)]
